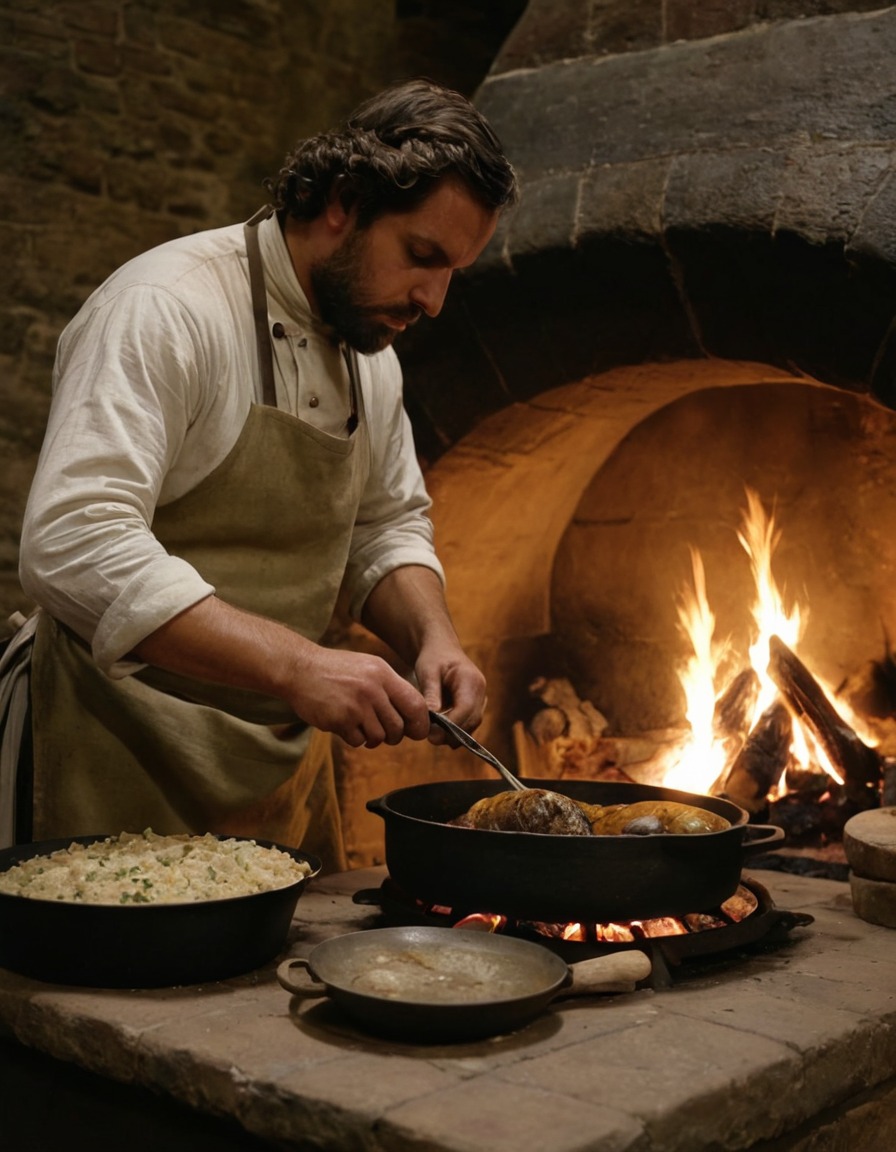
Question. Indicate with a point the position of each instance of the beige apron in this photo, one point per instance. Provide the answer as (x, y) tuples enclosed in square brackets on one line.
[(270, 528)]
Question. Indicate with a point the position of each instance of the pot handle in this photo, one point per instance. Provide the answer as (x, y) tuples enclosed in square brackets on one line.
[(761, 835), (614, 972), (285, 975)]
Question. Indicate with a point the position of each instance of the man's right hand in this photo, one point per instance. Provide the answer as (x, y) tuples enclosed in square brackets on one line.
[(359, 697)]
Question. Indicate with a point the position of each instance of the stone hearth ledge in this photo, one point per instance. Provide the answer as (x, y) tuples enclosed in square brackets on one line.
[(788, 1042)]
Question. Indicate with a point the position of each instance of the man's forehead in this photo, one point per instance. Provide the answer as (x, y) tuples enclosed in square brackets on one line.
[(452, 223)]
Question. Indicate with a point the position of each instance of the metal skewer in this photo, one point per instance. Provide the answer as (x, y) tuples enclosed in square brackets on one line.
[(474, 746)]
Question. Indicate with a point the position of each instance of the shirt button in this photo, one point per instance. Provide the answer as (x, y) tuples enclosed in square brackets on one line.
[(279, 331), (313, 402)]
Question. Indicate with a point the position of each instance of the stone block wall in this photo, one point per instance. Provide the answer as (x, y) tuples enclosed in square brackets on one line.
[(554, 30)]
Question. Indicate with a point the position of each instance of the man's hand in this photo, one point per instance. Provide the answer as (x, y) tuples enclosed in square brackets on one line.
[(360, 698), (451, 683)]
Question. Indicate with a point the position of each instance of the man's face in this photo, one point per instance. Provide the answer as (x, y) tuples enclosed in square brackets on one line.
[(382, 278)]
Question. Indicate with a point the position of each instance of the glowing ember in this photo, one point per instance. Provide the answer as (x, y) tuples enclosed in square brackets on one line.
[(662, 926), (738, 907), (703, 921)]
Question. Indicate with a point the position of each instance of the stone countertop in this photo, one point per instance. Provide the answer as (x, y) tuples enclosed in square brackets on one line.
[(729, 1056)]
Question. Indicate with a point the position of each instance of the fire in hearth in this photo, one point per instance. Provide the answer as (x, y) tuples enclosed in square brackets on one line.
[(726, 704), (762, 729)]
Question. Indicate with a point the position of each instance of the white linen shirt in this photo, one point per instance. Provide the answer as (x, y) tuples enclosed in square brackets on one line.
[(153, 381)]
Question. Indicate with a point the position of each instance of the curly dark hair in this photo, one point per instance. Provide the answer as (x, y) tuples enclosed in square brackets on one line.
[(391, 152)]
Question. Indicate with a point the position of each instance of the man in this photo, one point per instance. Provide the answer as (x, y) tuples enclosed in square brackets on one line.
[(226, 451)]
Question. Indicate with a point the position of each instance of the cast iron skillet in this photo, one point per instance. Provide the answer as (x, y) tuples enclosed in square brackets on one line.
[(562, 878), (429, 985), (143, 945)]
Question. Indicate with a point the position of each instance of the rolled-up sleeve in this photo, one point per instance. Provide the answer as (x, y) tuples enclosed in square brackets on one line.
[(393, 528), (123, 394)]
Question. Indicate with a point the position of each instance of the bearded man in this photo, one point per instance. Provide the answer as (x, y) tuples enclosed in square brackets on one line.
[(226, 452)]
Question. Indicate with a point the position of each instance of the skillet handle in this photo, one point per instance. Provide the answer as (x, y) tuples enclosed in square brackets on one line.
[(615, 972), (286, 977), (761, 835)]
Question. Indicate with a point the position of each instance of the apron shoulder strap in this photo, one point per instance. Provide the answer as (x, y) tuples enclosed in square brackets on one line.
[(351, 362), (260, 308)]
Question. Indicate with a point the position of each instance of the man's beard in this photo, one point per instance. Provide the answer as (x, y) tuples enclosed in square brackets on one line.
[(338, 284)]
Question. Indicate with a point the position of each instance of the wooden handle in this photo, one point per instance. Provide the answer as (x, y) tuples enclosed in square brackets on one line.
[(615, 972)]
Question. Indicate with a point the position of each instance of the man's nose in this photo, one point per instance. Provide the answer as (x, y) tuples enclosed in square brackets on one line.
[(429, 293)]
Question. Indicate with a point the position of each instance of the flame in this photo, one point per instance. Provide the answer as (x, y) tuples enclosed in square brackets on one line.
[(759, 539), (482, 922), (574, 931), (614, 933), (703, 759)]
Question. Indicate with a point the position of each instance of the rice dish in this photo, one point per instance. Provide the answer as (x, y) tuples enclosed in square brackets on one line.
[(145, 868)]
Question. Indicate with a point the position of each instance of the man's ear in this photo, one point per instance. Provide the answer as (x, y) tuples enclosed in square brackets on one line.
[(341, 205)]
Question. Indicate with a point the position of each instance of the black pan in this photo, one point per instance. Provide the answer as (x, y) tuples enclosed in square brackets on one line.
[(143, 945), (562, 878), (430, 985)]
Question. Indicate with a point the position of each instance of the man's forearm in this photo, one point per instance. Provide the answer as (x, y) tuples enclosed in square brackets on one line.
[(407, 610), (216, 642), (356, 695)]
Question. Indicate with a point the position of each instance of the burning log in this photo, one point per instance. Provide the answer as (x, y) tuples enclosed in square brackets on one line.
[(731, 719), (859, 765), (810, 782), (888, 792), (734, 708), (808, 818), (759, 764)]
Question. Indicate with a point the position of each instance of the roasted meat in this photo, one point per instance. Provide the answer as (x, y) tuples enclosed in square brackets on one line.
[(538, 810), (646, 817), (531, 810)]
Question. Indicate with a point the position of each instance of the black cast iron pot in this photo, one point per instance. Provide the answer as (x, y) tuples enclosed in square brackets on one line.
[(532, 876), (143, 945)]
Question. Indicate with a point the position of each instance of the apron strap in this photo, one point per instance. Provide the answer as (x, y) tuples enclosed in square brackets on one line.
[(260, 308), (351, 362), (262, 336)]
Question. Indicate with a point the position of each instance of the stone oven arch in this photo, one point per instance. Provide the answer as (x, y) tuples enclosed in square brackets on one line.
[(606, 475)]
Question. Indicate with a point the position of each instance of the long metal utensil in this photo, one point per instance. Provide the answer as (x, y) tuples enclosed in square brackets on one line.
[(474, 746)]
